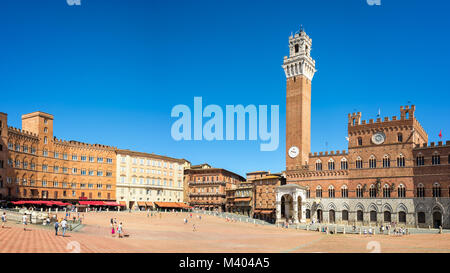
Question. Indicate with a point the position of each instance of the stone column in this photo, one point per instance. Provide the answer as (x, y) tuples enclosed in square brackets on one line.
[(295, 205), (278, 204), (303, 218)]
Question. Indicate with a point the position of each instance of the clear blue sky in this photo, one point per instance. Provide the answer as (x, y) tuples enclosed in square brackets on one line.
[(110, 71)]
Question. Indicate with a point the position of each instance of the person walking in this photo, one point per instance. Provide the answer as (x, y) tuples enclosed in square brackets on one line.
[(64, 226), (56, 228), (119, 230), (24, 221), (113, 233), (193, 227), (3, 219)]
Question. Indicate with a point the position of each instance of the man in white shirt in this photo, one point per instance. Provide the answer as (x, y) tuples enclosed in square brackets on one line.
[(63, 226), (24, 220)]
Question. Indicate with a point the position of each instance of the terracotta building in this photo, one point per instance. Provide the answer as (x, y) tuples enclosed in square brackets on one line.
[(40, 166), (207, 186), (388, 174), (264, 188), (240, 199)]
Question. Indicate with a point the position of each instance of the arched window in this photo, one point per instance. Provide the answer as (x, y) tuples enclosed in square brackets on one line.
[(359, 163), (436, 190), (420, 160), (318, 165), (400, 137), (308, 193), (308, 214), (360, 143), (372, 191), (436, 159), (331, 164), (359, 191), (386, 161), (386, 191), (344, 191), (372, 162), (400, 161), (319, 192), (331, 192), (420, 190), (401, 191), (344, 164)]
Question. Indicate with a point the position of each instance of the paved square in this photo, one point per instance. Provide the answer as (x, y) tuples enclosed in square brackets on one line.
[(213, 234)]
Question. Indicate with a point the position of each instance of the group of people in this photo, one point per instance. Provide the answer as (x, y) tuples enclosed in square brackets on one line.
[(185, 220), (116, 228), (61, 224)]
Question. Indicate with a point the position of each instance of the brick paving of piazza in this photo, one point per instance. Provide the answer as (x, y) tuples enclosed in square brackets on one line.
[(214, 234)]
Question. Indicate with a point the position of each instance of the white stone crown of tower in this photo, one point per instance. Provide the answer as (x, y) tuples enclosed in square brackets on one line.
[(299, 61)]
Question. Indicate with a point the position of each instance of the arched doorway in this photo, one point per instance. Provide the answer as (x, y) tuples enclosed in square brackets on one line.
[(308, 214), (359, 216), (437, 219), (287, 206), (332, 216), (373, 216), (387, 216), (402, 217), (421, 217), (319, 215), (345, 215)]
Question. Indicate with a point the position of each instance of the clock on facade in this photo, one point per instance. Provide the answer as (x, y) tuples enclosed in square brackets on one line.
[(378, 138), (293, 151)]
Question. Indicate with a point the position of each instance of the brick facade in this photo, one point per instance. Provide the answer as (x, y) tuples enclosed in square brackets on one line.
[(207, 186), (379, 179), (40, 166)]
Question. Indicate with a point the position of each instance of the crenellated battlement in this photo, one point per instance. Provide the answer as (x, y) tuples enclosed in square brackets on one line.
[(21, 132), (79, 144), (328, 153), (432, 145), (406, 114)]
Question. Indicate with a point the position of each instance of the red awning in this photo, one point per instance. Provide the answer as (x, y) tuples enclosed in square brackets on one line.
[(111, 204), (92, 203), (40, 202), (167, 204)]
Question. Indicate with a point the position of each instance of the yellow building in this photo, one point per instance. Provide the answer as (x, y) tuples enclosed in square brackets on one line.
[(148, 181)]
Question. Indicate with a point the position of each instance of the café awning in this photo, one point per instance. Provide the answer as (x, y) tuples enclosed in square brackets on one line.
[(242, 199)]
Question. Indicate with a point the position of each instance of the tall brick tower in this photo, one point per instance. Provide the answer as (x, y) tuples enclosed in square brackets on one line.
[(299, 68)]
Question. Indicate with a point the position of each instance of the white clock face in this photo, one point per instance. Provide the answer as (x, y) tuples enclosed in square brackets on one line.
[(378, 138), (293, 151)]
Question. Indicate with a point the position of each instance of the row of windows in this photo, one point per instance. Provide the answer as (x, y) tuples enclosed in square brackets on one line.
[(65, 156), (135, 170), (158, 182), (150, 162), (45, 168), (152, 192), (45, 194), (401, 191), (386, 162), (55, 184)]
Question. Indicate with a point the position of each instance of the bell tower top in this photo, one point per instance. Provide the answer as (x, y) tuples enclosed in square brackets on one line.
[(299, 61)]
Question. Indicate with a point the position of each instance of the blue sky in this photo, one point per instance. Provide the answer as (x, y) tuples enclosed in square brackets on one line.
[(111, 71)]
